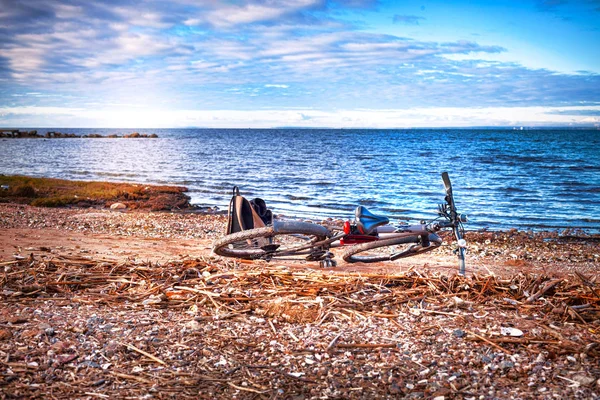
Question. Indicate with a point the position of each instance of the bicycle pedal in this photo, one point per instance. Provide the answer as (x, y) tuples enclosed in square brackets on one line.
[(270, 248), (328, 263)]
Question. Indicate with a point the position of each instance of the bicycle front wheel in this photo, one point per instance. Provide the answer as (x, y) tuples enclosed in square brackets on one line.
[(282, 239), (389, 249)]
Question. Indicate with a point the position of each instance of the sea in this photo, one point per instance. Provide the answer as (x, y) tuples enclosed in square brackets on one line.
[(528, 179)]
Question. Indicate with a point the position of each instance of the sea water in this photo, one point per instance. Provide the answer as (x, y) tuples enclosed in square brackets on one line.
[(542, 179)]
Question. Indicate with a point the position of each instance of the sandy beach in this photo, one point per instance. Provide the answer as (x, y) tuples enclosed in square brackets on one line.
[(101, 303)]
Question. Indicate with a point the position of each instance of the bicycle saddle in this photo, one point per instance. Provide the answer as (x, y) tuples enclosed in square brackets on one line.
[(366, 221)]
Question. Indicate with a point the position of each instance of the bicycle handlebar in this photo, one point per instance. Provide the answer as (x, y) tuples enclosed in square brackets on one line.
[(447, 183)]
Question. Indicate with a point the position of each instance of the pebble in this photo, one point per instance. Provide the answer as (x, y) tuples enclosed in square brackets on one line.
[(459, 333), (193, 325), (583, 379), (506, 365)]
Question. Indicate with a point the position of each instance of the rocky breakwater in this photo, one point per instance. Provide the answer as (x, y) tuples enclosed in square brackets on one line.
[(18, 134)]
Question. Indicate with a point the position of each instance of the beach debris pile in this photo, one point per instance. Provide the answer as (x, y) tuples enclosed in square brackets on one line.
[(18, 134), (214, 328)]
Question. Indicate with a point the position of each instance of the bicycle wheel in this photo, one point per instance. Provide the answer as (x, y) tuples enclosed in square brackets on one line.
[(389, 249), (283, 238)]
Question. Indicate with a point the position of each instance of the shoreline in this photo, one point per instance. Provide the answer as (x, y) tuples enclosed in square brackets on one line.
[(56, 192), (63, 192), (82, 194)]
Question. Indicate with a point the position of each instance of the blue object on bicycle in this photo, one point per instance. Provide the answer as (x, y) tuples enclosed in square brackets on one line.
[(367, 221)]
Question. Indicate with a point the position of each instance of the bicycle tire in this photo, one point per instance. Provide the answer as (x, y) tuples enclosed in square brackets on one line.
[(352, 254), (236, 245)]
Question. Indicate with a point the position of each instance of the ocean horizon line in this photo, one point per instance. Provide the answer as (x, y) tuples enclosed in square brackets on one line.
[(483, 127)]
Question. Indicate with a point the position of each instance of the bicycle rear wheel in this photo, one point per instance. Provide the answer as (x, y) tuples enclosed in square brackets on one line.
[(282, 239), (389, 249)]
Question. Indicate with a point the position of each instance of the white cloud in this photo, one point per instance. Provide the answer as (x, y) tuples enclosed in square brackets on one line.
[(66, 11), (25, 59), (224, 16), (136, 45), (136, 17), (244, 15)]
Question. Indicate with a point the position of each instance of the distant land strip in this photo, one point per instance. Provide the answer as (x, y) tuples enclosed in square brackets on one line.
[(18, 134)]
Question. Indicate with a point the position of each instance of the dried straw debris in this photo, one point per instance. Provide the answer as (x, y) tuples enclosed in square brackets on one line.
[(208, 328)]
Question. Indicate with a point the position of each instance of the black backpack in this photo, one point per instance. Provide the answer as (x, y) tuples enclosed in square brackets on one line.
[(244, 214)]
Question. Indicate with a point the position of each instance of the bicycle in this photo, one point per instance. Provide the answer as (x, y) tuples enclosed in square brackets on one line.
[(369, 238)]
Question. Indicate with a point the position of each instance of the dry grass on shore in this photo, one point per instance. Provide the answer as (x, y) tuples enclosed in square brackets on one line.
[(49, 192)]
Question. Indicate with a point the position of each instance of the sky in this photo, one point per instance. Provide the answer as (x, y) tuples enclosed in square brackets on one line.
[(299, 63)]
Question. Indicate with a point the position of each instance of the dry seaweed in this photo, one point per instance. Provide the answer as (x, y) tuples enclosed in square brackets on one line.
[(205, 327)]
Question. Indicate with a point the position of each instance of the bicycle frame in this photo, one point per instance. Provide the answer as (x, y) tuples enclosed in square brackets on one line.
[(382, 233), (423, 235)]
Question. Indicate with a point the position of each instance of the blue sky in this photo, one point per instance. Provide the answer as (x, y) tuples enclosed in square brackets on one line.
[(309, 63)]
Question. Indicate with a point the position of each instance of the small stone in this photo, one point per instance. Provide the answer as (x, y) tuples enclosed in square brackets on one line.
[(89, 364), (118, 206), (583, 379), (154, 299), (459, 333), (193, 325), (65, 358), (510, 331), (540, 359), (506, 365)]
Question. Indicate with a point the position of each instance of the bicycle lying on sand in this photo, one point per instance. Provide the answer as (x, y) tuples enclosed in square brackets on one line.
[(368, 238)]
